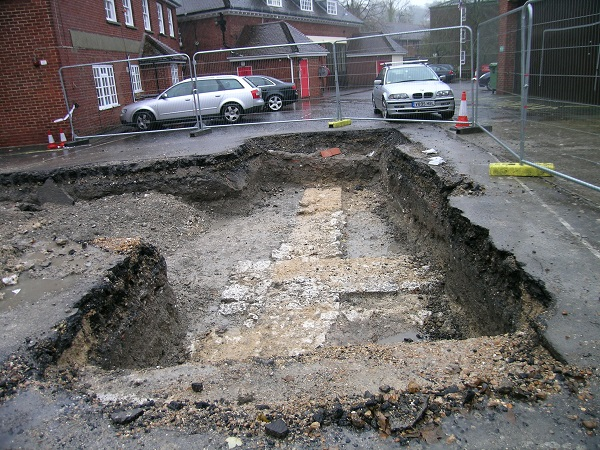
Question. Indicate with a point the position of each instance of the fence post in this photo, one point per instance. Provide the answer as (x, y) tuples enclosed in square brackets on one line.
[(337, 84), (526, 33)]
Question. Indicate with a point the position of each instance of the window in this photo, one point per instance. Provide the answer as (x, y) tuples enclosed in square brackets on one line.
[(111, 13), (332, 7), (306, 5), (204, 86), (146, 14), (106, 89), (174, 74), (136, 79), (274, 3), (127, 12), (260, 81), (161, 22), (180, 90), (228, 84), (170, 19)]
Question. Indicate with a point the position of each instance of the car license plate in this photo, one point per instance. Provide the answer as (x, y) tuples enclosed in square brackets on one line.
[(426, 103)]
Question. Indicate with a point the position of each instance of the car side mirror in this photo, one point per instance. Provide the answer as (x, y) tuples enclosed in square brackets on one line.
[(377, 82), (164, 96)]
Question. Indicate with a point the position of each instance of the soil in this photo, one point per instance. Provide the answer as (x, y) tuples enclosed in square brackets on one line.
[(222, 294)]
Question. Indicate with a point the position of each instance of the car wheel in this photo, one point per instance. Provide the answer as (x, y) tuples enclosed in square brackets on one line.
[(232, 113), (447, 115), (384, 111), (375, 109), (275, 102), (144, 120)]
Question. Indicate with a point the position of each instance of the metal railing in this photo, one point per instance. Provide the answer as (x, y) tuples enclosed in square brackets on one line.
[(95, 93), (544, 105)]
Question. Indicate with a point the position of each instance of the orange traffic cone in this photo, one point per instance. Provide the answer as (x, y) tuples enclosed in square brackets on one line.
[(51, 143), (463, 120)]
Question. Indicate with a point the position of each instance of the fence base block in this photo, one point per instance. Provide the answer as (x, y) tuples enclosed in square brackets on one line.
[(519, 170), (471, 130), (340, 123), (77, 142), (200, 132)]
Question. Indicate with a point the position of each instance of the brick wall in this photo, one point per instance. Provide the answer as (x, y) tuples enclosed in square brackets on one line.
[(508, 40), (31, 94)]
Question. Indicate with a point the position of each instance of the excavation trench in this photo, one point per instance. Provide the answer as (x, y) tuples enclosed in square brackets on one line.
[(275, 262)]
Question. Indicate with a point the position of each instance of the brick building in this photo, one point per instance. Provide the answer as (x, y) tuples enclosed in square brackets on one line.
[(367, 55), (207, 25), (41, 36)]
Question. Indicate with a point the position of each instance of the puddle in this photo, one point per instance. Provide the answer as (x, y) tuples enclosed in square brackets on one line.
[(33, 290)]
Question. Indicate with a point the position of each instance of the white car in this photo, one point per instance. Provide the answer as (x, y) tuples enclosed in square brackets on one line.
[(225, 96), (411, 88)]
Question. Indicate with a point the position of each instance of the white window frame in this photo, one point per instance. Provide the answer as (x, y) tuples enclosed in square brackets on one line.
[(128, 13), (146, 14), (106, 88), (170, 20), (174, 74), (111, 12), (136, 79), (332, 7), (306, 5), (161, 19), (276, 3)]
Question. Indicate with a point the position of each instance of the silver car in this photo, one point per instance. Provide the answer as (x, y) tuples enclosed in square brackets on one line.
[(225, 96), (411, 88)]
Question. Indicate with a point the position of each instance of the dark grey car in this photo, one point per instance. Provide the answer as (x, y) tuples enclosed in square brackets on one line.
[(444, 71), (276, 93)]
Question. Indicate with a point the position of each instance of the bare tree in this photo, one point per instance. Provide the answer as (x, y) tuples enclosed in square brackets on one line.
[(363, 9), (396, 10), (375, 12)]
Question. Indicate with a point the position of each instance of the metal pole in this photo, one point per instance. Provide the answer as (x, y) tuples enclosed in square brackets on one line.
[(337, 84), (460, 40), (526, 26)]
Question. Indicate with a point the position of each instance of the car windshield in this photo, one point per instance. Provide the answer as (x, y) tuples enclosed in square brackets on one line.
[(404, 74)]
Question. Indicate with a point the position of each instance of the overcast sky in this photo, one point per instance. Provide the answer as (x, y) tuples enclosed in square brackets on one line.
[(421, 2)]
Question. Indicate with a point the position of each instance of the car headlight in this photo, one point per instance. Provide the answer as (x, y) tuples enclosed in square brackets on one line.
[(397, 96), (444, 94)]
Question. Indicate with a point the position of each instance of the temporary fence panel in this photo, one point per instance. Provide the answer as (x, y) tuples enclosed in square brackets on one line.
[(304, 69), (323, 81), (96, 94), (441, 48), (542, 96)]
